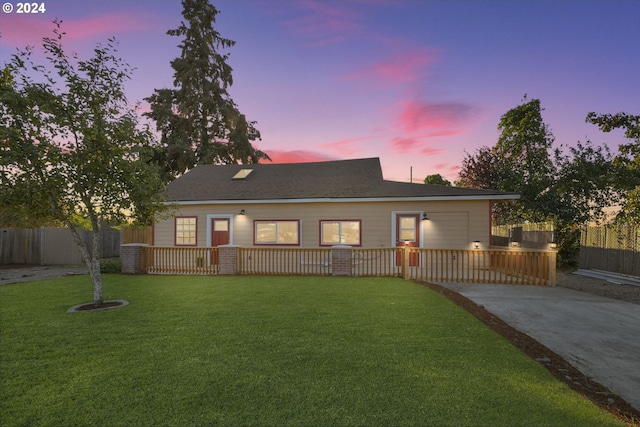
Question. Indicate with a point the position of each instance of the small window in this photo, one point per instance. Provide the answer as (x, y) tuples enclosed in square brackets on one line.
[(242, 174), (186, 231), (277, 232), (340, 233), (407, 229)]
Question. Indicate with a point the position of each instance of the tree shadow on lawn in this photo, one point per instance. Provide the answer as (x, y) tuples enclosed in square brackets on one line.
[(559, 367)]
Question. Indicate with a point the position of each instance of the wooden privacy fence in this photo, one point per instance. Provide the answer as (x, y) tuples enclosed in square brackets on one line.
[(52, 245), (526, 267), (615, 249), (131, 234), (536, 235)]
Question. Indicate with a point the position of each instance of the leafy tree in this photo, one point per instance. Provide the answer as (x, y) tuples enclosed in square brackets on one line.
[(519, 162), (198, 121), (70, 146), (569, 187), (524, 146), (583, 188), (627, 161), (437, 179), (482, 169)]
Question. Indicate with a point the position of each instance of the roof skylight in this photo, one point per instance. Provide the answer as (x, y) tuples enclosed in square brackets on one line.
[(242, 174)]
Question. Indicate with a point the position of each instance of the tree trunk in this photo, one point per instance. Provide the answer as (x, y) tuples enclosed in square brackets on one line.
[(96, 278), (92, 261), (94, 271)]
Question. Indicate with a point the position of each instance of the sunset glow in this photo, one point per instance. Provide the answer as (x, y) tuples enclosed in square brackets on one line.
[(415, 83)]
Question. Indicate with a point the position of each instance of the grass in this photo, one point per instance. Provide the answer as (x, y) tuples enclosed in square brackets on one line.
[(265, 351)]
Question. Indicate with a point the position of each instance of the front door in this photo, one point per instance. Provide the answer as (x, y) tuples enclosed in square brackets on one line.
[(408, 234), (219, 235)]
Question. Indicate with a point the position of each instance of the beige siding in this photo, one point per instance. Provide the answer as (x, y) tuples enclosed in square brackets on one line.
[(452, 224)]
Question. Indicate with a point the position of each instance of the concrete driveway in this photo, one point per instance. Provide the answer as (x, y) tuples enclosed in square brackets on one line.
[(597, 335)]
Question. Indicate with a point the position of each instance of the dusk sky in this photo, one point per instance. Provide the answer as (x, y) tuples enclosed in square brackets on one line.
[(416, 83)]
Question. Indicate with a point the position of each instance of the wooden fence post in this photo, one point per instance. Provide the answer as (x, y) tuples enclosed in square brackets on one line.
[(552, 268), (405, 263)]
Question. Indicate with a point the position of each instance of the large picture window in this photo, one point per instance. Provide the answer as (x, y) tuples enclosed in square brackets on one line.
[(286, 232), (340, 233), (186, 231)]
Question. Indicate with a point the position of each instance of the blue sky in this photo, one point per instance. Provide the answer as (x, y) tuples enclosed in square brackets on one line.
[(416, 83)]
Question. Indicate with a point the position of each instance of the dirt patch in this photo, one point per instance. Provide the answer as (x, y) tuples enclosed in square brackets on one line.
[(13, 273), (559, 367)]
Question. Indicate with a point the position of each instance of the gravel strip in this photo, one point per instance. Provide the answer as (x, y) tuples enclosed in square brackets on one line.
[(601, 287), (31, 274)]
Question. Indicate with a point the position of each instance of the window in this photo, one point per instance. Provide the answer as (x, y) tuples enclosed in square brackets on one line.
[(407, 229), (186, 231), (340, 233), (277, 232)]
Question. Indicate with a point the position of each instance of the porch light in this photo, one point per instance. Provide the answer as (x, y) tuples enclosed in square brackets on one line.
[(553, 244), (241, 211), (424, 216), (476, 244)]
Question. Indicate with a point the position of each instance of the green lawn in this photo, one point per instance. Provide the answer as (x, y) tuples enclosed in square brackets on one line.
[(265, 351)]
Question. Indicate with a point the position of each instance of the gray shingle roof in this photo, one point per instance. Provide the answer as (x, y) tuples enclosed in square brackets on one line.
[(358, 178)]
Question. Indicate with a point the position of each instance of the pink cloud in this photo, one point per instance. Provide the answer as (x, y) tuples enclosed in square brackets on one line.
[(404, 67), (347, 146), (409, 144), (297, 156), (29, 30), (431, 151), (419, 116)]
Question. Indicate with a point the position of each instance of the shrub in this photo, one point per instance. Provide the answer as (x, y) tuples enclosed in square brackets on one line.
[(110, 265)]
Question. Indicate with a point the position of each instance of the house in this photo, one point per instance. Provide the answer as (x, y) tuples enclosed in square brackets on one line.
[(321, 204)]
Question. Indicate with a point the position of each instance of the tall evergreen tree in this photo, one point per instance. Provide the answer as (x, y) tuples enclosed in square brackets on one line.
[(198, 121)]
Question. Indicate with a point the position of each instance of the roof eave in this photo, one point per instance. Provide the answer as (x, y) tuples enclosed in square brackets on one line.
[(503, 196)]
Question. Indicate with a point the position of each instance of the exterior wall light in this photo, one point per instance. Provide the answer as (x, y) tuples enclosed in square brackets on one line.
[(241, 211), (424, 216), (476, 244)]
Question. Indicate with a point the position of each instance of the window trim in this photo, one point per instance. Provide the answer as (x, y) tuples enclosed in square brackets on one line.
[(175, 230), (255, 229), (321, 243)]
